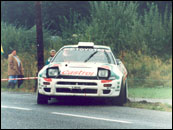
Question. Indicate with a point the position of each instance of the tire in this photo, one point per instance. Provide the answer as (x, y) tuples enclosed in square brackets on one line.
[(42, 99), (122, 98)]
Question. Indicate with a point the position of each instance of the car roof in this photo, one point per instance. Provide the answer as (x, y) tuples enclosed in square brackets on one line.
[(95, 46)]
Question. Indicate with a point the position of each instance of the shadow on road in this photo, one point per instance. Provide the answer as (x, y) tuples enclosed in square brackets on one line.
[(79, 101)]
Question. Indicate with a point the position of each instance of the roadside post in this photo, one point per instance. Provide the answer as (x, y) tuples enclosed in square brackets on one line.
[(40, 45)]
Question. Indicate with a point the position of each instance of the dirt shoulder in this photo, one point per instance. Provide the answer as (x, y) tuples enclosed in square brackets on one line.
[(149, 100)]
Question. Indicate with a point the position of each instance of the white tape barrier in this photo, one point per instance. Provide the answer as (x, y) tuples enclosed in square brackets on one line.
[(27, 78)]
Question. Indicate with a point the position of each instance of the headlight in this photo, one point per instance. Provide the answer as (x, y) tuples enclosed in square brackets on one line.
[(103, 73), (52, 72)]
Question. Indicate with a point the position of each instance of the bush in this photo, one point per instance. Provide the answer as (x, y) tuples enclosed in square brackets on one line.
[(18, 38), (119, 25), (24, 41), (146, 71)]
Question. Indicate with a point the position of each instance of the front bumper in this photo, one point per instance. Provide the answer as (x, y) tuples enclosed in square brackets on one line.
[(79, 87)]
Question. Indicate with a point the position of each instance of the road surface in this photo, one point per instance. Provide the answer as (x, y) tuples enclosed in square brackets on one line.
[(20, 111)]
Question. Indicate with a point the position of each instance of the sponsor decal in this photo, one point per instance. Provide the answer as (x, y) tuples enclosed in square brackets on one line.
[(105, 67), (78, 73), (87, 49), (56, 65)]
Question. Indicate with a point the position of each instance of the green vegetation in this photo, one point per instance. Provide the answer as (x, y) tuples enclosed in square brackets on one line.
[(157, 93), (147, 71), (118, 25), (143, 41)]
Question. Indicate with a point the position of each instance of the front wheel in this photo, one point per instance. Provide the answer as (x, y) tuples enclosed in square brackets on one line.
[(41, 99), (122, 98)]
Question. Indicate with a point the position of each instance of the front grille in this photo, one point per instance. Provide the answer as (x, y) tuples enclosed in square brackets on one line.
[(77, 77), (66, 90), (77, 83)]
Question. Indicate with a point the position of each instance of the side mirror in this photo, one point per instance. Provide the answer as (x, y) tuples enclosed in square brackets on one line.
[(118, 61)]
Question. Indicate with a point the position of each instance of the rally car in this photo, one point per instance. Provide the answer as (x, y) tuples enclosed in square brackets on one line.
[(83, 70)]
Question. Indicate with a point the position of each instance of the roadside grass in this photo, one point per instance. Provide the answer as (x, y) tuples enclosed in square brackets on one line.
[(151, 106), (155, 93), (21, 89)]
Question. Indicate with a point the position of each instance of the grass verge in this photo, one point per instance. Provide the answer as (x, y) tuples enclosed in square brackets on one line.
[(150, 106), (155, 93), (21, 89)]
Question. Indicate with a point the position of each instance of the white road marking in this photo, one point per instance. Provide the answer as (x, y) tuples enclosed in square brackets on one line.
[(18, 108), (89, 117)]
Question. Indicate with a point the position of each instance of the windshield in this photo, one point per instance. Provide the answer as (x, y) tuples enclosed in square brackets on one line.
[(84, 55)]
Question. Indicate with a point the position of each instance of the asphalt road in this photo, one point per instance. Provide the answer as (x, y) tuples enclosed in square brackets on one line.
[(20, 111)]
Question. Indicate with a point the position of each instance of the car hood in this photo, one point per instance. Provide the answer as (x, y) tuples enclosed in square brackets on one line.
[(79, 68)]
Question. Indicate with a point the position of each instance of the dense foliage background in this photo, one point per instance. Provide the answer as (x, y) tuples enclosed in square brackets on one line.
[(139, 33)]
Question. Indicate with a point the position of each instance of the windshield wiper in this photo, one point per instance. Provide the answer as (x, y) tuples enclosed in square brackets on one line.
[(90, 56)]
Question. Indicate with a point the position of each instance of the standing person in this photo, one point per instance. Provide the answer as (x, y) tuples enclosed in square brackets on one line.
[(52, 54), (15, 69)]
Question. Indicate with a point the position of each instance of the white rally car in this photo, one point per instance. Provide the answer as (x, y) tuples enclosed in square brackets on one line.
[(86, 70)]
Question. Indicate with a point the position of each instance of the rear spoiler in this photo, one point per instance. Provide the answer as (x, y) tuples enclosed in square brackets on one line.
[(85, 45)]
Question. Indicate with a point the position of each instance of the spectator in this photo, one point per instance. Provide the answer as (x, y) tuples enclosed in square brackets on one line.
[(52, 54), (15, 69)]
